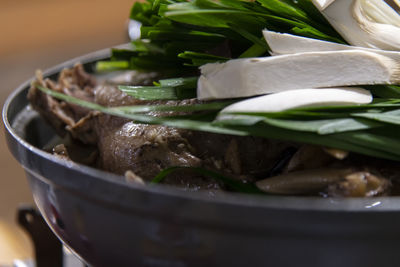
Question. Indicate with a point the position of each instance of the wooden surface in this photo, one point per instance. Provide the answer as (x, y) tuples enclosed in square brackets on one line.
[(40, 34)]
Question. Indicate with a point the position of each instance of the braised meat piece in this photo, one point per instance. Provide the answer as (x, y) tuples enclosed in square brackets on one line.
[(148, 149), (65, 117), (334, 182)]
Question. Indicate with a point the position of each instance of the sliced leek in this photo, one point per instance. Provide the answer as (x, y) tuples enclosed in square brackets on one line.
[(284, 43), (366, 23), (297, 98), (257, 76)]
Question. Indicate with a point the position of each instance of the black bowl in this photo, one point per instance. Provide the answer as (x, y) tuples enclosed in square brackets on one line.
[(109, 222)]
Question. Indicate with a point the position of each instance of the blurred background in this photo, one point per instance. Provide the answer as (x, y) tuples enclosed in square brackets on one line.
[(37, 35)]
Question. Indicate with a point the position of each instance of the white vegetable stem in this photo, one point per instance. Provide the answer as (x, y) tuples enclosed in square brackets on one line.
[(257, 76), (298, 98), (284, 43), (366, 23)]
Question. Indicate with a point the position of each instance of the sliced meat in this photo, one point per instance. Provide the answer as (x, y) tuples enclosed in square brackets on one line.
[(111, 96), (65, 117), (359, 184), (145, 149), (308, 157), (336, 182)]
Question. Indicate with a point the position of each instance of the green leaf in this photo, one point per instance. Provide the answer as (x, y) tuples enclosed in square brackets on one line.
[(199, 59), (378, 142), (123, 54), (142, 46), (150, 93), (348, 141), (111, 65), (324, 126), (197, 55), (173, 89), (252, 38), (384, 91), (310, 32), (392, 117), (284, 9), (182, 108), (255, 50), (173, 34), (235, 185), (187, 82), (347, 125)]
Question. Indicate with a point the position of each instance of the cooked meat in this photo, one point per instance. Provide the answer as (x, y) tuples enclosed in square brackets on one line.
[(148, 149), (131, 177), (343, 182), (141, 151), (144, 149), (359, 184), (61, 151), (64, 116), (302, 182), (309, 157), (109, 95)]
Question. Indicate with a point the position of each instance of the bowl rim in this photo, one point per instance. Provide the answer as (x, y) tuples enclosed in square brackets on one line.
[(377, 204)]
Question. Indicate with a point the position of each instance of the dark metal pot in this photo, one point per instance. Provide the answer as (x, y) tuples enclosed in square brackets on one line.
[(108, 222)]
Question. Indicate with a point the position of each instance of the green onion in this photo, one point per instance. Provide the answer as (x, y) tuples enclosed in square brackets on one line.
[(111, 65), (173, 29), (168, 89)]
